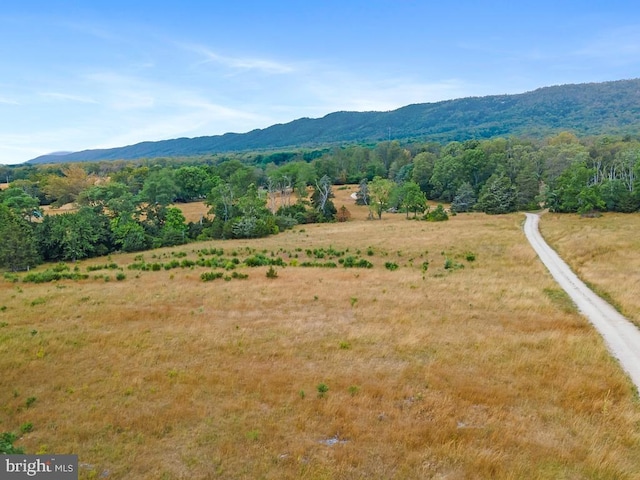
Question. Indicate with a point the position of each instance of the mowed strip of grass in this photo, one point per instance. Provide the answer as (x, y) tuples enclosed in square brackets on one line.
[(475, 371), (604, 252)]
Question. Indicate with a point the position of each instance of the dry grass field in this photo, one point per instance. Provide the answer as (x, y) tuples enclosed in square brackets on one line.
[(483, 370), (604, 252)]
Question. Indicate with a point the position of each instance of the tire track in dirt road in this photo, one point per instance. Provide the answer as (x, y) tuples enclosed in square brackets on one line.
[(620, 335)]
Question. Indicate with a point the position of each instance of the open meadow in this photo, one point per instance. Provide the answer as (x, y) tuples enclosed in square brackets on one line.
[(604, 252), (454, 356)]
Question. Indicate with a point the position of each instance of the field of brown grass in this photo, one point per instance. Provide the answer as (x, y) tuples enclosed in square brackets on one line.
[(604, 252), (483, 370)]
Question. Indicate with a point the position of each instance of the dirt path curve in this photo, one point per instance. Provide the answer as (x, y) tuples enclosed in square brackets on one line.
[(620, 335)]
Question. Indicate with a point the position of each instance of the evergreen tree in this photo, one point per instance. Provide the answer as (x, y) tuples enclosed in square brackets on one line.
[(498, 195), (465, 199)]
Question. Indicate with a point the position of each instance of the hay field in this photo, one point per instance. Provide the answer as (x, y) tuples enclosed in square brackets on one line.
[(483, 370)]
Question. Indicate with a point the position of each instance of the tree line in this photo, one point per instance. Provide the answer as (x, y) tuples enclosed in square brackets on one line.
[(130, 206)]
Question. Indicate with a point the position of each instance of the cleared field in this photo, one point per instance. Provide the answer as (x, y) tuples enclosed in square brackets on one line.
[(480, 370)]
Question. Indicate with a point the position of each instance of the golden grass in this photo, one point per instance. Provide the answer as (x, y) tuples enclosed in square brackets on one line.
[(604, 252), (476, 372)]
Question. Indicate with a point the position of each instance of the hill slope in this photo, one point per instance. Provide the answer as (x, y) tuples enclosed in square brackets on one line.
[(595, 108)]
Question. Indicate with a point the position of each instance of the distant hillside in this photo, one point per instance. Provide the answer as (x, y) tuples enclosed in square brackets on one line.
[(585, 109)]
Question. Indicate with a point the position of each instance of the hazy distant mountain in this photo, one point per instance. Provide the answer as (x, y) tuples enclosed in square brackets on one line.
[(585, 109)]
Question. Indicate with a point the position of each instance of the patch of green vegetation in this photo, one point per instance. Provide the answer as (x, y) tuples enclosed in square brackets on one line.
[(105, 266), (6, 444), (354, 262), (52, 276), (210, 276), (561, 299), (322, 389)]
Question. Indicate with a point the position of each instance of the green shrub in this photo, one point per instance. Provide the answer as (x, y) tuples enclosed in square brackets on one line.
[(26, 427), (209, 276), (257, 260), (50, 276), (106, 266), (322, 389), (354, 262), (391, 266), (11, 277), (120, 276), (437, 215), (319, 264), (272, 273), (451, 265), (6, 444)]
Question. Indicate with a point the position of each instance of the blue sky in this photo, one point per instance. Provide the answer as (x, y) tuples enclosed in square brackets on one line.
[(94, 74)]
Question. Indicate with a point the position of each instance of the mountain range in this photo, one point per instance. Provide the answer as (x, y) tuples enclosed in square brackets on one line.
[(584, 109)]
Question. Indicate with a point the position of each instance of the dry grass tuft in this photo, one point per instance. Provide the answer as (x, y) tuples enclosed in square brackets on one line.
[(470, 372)]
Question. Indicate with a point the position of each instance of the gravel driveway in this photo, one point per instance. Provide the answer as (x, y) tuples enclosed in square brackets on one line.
[(620, 335)]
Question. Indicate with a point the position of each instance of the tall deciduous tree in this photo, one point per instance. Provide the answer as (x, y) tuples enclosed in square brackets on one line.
[(413, 199), (66, 188), (380, 193)]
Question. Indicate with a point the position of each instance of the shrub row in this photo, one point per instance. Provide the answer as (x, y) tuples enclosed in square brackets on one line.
[(50, 276)]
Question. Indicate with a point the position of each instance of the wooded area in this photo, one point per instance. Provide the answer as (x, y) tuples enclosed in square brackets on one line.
[(130, 205)]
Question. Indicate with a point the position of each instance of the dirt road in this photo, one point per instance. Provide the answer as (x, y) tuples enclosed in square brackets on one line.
[(620, 335)]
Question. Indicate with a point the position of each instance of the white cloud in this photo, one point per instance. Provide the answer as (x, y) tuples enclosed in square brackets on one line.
[(8, 101), (67, 97), (240, 63)]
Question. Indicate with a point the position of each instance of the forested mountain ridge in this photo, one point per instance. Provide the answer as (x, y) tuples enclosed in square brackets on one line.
[(585, 109)]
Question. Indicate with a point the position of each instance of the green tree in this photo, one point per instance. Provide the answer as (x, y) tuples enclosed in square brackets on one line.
[(448, 175), (528, 187), (564, 195), (498, 195), (128, 235), (17, 241), (380, 194), (465, 199), (413, 199), (423, 170), (193, 183), (23, 204), (73, 236), (112, 198), (174, 229), (160, 188)]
